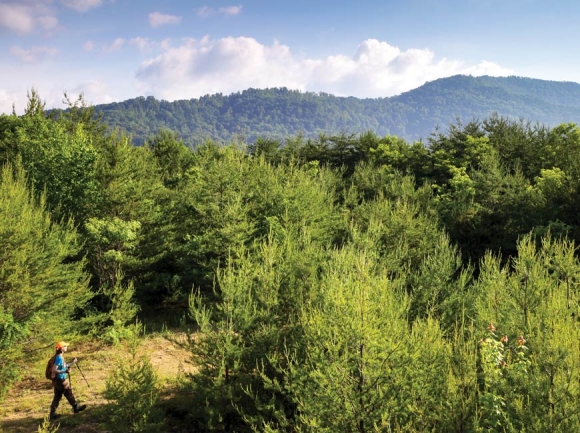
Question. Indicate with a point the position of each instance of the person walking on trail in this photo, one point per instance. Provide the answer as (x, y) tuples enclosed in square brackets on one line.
[(60, 383)]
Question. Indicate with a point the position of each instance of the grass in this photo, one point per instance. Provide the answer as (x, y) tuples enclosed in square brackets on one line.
[(29, 400)]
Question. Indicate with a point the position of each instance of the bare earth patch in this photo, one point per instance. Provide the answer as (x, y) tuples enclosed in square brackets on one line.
[(29, 400)]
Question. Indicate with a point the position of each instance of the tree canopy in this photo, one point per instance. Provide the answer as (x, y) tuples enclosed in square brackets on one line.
[(279, 113), (340, 282)]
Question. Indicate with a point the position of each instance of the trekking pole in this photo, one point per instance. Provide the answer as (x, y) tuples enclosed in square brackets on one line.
[(83, 375)]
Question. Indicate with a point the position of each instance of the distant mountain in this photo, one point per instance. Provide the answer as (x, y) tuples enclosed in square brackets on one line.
[(413, 115)]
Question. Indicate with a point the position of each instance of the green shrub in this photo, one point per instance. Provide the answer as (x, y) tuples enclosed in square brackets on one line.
[(132, 388)]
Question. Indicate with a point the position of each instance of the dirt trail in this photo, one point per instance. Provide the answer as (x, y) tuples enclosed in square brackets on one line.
[(29, 401)]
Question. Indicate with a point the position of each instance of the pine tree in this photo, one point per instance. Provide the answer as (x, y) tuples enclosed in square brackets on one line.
[(42, 282), (362, 368)]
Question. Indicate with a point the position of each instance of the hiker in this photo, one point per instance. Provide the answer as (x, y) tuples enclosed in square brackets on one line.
[(60, 382)]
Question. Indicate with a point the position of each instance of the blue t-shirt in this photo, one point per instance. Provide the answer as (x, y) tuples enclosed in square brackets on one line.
[(60, 366)]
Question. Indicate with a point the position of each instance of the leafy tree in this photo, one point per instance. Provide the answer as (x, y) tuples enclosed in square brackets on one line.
[(111, 242), (261, 287), (131, 231), (81, 114), (231, 200), (243, 335), (520, 144), (395, 154), (212, 211), (42, 284), (267, 148), (354, 339), (61, 163), (404, 221), (8, 127), (172, 156), (487, 208), (361, 368)]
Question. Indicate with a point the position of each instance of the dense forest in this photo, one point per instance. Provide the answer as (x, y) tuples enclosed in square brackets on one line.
[(340, 283), (279, 113)]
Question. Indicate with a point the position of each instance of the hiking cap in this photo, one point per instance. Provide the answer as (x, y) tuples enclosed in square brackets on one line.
[(61, 344)]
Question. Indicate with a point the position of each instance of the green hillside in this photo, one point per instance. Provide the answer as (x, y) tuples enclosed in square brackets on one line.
[(279, 113), (348, 283), (442, 101)]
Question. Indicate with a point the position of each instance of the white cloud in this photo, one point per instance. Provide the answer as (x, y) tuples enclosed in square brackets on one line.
[(140, 42), (9, 100), (23, 18), (47, 22), (81, 5), (94, 92), (230, 10), (488, 68), (97, 89), (206, 11), (192, 68), (377, 69), (115, 46), (199, 67), (33, 54), (27, 16), (16, 18), (157, 19)]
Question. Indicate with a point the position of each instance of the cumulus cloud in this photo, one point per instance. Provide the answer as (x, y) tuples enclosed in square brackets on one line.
[(194, 68), (378, 69), (25, 17), (33, 54), (487, 68), (81, 5), (207, 11), (16, 18), (157, 19), (191, 68), (199, 67)]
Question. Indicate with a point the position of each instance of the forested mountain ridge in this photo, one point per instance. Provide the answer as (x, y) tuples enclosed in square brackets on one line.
[(280, 112), (439, 102)]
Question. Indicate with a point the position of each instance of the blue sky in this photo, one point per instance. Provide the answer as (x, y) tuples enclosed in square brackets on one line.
[(112, 50)]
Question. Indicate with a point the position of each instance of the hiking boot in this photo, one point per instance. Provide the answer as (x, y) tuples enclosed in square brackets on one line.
[(79, 408), (53, 416)]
